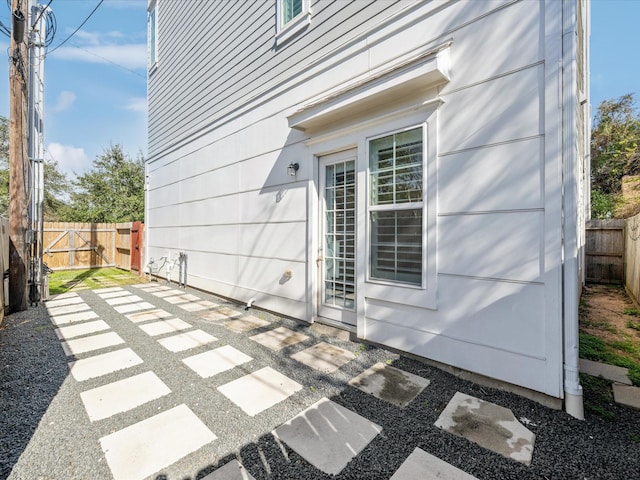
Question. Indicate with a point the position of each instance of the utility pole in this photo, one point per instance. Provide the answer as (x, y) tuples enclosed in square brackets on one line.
[(18, 161)]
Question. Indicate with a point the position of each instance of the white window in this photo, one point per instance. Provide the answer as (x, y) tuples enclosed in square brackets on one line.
[(293, 16), (396, 205), (152, 35)]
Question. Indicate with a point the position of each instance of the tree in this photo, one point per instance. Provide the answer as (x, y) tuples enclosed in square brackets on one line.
[(113, 191), (615, 152), (56, 185)]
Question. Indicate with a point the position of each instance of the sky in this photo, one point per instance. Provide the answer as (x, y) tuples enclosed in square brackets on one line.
[(95, 84)]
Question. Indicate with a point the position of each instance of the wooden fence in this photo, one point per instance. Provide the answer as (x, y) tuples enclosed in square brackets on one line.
[(632, 254), (69, 246), (605, 251)]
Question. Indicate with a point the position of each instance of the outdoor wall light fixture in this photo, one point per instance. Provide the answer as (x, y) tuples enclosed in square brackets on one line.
[(292, 169)]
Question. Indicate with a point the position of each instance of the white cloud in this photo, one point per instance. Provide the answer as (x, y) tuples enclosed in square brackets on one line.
[(64, 101), (132, 55), (137, 104), (70, 159)]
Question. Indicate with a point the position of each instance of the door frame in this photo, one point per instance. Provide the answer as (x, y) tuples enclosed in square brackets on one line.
[(342, 317)]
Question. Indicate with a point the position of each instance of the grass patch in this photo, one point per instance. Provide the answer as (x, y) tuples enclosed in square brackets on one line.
[(67, 280), (598, 396), (614, 353), (631, 311), (633, 325)]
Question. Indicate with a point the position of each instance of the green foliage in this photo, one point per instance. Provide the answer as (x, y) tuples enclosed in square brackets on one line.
[(599, 350), (602, 204), (631, 311), (56, 185), (633, 325), (615, 140), (113, 191)]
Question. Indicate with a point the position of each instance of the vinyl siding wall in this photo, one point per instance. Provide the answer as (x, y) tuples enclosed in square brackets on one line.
[(219, 144)]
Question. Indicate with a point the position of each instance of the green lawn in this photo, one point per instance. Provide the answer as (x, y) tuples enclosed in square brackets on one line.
[(69, 280)]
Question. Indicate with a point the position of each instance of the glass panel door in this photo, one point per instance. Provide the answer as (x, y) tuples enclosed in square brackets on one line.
[(338, 276)]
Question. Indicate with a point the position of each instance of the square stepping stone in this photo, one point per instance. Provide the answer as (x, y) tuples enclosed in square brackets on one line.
[(156, 314), (626, 395), (231, 471), (146, 447), (60, 296), (81, 329), (103, 364), (324, 357), (328, 435), (88, 344), (176, 299), (390, 384), (421, 465), (229, 312), (198, 306), (489, 425), (610, 372), (132, 307), (73, 317), (78, 307), (123, 300), (109, 289), (61, 302), (279, 338), (169, 292), (164, 326), (185, 341), (119, 293), (214, 316), (117, 397), (267, 387), (245, 324), (211, 363)]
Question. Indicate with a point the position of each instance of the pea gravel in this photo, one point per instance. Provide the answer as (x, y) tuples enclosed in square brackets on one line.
[(45, 431)]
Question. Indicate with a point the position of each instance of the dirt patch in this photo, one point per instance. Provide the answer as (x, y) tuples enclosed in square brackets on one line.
[(609, 325)]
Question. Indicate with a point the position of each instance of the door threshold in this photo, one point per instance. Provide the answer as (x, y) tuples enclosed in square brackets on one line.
[(335, 324)]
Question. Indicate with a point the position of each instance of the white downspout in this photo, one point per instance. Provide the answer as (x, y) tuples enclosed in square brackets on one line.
[(572, 388)]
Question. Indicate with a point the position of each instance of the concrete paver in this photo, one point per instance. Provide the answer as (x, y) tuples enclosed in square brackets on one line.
[(230, 471), (132, 307), (421, 465), (610, 372), (107, 400), (245, 324), (489, 425), (185, 341), (324, 357), (390, 384), (73, 317), (78, 307), (121, 300), (279, 338), (267, 387), (212, 362), (164, 326), (627, 395), (328, 435), (103, 364), (146, 447), (60, 302), (94, 342), (155, 314), (86, 328)]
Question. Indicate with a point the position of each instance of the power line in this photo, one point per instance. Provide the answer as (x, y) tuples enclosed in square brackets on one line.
[(41, 12), (76, 30), (109, 61)]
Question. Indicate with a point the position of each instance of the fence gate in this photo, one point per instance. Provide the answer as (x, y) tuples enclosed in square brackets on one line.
[(79, 245), (136, 245), (605, 250)]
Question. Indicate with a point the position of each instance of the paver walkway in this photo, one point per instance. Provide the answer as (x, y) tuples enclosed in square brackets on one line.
[(173, 384)]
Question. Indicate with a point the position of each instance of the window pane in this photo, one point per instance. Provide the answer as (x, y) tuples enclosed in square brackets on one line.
[(396, 171), (290, 8), (396, 245)]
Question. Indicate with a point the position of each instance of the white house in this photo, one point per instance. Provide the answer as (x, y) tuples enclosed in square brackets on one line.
[(414, 171)]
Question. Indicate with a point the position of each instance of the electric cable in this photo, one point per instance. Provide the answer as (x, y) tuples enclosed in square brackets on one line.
[(41, 12), (76, 30), (109, 61)]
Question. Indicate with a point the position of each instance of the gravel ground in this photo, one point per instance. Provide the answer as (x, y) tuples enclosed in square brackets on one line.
[(46, 432)]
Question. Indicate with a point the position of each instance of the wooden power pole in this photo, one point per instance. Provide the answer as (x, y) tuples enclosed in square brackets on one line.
[(18, 161)]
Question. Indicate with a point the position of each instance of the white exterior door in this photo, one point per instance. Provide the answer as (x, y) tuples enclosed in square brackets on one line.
[(337, 259)]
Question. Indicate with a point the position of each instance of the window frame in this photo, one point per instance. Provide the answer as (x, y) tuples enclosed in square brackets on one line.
[(396, 207), (152, 36), (286, 30)]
